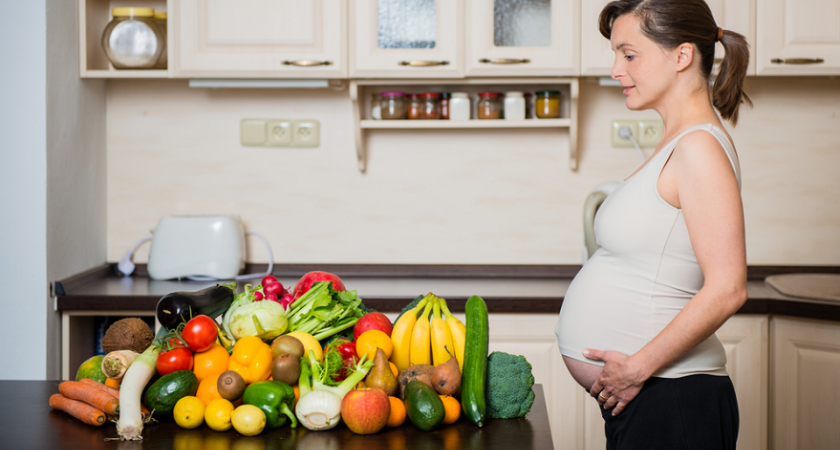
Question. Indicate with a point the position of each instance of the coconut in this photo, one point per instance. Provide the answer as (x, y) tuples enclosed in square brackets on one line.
[(128, 334)]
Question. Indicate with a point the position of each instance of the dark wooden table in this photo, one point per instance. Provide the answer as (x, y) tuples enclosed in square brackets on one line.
[(27, 422)]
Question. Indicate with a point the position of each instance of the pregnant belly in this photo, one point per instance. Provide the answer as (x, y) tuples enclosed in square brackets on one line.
[(583, 372)]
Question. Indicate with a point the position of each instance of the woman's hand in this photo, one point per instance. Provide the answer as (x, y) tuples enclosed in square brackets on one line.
[(620, 380)]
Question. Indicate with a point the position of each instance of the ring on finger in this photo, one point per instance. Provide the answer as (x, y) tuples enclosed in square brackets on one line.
[(602, 397)]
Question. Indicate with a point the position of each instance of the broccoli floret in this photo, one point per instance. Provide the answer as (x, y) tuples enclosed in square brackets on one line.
[(409, 307), (509, 382)]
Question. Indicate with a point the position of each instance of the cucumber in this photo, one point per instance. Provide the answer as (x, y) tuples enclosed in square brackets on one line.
[(162, 395), (473, 380), (423, 406)]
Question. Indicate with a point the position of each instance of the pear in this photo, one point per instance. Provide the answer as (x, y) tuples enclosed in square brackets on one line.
[(381, 376), (446, 377)]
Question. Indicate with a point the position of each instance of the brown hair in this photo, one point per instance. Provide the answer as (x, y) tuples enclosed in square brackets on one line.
[(671, 23)]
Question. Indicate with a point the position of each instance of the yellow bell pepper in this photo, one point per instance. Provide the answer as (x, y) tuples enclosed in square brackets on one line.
[(251, 359)]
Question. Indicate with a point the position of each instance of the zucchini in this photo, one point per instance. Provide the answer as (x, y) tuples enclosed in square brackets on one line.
[(475, 362), (164, 393)]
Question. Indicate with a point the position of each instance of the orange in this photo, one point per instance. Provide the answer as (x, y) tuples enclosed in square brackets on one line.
[(208, 390), (370, 340), (394, 369), (210, 362), (397, 416), (452, 408), (297, 396)]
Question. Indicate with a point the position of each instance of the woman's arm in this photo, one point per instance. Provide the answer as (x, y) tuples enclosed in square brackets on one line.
[(698, 179)]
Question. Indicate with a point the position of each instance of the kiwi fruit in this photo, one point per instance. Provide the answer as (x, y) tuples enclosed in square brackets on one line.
[(231, 386), (286, 368), (286, 345)]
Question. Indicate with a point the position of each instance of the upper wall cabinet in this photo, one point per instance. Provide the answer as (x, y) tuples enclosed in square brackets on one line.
[(519, 38), (406, 38), (258, 38), (597, 57), (799, 37)]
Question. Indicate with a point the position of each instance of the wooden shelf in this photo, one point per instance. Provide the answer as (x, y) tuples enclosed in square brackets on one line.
[(464, 124), (361, 91), (125, 73)]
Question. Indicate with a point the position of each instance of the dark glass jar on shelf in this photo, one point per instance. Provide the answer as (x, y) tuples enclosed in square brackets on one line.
[(430, 106), (444, 105)]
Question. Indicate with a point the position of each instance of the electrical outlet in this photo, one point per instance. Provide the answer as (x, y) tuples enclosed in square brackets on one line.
[(617, 125), (306, 133), (252, 132), (279, 132), (650, 133)]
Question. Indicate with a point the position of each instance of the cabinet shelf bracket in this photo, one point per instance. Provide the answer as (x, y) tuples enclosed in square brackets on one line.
[(361, 149)]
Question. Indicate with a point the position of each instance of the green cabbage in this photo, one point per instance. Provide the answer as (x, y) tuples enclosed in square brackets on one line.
[(265, 319)]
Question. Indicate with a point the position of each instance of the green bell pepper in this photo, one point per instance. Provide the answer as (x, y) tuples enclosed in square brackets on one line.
[(275, 399)]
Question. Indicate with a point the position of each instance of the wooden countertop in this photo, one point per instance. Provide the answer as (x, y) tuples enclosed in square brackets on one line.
[(29, 423), (100, 289)]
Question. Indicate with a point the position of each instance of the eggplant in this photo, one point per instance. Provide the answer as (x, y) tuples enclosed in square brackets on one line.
[(177, 307)]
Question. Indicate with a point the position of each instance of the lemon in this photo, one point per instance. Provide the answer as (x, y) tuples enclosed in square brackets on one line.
[(248, 420), (309, 343), (189, 412), (217, 414)]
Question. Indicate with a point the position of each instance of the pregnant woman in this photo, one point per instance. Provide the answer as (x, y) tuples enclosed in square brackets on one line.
[(637, 324)]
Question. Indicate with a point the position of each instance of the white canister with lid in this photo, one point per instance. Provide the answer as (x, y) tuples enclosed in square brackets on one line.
[(459, 106), (514, 105), (132, 39)]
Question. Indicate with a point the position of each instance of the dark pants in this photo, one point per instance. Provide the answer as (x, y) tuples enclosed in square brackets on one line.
[(689, 413)]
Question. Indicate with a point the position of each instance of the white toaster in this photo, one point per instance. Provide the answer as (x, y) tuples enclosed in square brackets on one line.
[(205, 246)]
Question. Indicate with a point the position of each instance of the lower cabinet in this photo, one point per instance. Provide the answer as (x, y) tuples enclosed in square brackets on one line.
[(805, 384), (576, 422)]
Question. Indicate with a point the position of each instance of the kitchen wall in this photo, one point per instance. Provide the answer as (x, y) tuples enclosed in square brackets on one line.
[(443, 196)]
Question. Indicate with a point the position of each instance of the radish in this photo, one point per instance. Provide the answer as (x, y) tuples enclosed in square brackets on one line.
[(258, 296), (275, 288), (286, 300), (306, 282), (271, 296), (268, 279)]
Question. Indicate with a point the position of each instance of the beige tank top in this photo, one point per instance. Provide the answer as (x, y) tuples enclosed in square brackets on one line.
[(642, 276)]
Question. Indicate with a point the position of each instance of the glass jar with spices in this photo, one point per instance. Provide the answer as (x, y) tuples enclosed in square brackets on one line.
[(414, 106), (514, 105), (548, 104), (459, 106), (132, 40), (444, 105), (430, 106), (489, 106), (392, 105)]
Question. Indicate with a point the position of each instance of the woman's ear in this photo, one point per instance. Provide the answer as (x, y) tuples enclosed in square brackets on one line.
[(684, 54)]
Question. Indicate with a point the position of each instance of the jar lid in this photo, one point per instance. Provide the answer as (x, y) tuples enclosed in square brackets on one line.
[(160, 15), (513, 94), (393, 94), (445, 95), (459, 95), (133, 12), (548, 92), (430, 95), (413, 95), (488, 94)]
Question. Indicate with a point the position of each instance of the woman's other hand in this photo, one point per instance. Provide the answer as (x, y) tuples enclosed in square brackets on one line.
[(620, 380)]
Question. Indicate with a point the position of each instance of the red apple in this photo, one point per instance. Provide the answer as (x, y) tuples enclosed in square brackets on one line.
[(311, 278), (365, 411), (372, 321)]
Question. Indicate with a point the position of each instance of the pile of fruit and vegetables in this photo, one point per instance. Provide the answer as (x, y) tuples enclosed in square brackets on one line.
[(313, 357)]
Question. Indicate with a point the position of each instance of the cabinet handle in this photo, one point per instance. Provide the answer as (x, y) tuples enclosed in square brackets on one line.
[(307, 63), (797, 61), (423, 63), (504, 61)]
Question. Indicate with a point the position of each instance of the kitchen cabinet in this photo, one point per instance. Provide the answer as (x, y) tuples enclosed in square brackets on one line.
[(799, 37), (515, 38), (258, 39), (597, 57), (805, 388), (401, 39)]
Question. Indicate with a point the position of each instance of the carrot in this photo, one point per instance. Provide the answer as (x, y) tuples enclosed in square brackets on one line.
[(80, 410), (112, 391), (100, 400)]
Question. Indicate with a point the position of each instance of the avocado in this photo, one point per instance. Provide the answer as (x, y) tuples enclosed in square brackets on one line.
[(423, 406)]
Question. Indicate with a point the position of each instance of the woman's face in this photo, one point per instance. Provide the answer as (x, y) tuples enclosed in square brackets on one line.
[(643, 68)]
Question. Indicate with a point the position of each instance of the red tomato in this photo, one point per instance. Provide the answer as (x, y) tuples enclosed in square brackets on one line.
[(200, 333), (174, 343), (174, 360)]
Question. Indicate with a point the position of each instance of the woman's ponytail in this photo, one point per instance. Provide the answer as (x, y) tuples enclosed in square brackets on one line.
[(728, 91)]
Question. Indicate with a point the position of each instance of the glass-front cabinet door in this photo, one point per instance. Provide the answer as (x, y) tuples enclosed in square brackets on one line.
[(258, 38), (522, 37), (406, 38)]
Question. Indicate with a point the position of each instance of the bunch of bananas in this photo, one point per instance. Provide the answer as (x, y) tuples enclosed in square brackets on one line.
[(419, 339)]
